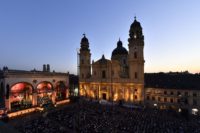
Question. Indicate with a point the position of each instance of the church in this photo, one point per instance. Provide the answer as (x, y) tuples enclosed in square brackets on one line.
[(120, 78)]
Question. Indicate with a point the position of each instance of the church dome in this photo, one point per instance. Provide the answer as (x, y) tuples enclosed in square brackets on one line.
[(135, 31), (135, 24), (120, 50), (84, 43), (84, 39)]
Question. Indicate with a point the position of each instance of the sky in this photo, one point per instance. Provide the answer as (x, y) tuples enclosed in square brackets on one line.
[(37, 32)]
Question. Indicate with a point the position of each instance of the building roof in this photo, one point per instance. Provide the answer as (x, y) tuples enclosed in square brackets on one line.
[(7, 72), (103, 60), (173, 80)]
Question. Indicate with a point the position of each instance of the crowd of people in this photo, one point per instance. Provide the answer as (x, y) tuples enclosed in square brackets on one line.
[(90, 117)]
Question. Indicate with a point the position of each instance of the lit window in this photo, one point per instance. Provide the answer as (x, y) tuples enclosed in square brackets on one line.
[(135, 36)]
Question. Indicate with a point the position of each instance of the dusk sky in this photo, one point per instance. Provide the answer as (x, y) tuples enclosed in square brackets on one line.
[(37, 32)]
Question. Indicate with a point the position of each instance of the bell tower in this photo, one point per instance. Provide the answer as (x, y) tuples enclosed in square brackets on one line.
[(84, 59), (136, 56)]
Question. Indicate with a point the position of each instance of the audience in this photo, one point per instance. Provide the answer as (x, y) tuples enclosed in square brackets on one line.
[(90, 117)]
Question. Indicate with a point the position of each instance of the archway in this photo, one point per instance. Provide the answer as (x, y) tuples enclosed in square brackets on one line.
[(44, 93), (61, 91), (21, 96)]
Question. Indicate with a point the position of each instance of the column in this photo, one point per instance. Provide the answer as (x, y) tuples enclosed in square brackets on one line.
[(53, 97), (8, 104), (34, 100), (67, 93)]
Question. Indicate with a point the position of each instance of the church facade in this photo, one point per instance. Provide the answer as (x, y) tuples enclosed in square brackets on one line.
[(118, 78)]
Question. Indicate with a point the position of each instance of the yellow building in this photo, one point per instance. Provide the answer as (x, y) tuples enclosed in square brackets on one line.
[(122, 77)]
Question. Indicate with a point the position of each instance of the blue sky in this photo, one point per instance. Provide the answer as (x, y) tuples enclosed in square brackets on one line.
[(37, 32)]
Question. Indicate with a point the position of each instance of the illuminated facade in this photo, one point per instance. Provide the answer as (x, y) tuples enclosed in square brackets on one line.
[(122, 77), (24, 89)]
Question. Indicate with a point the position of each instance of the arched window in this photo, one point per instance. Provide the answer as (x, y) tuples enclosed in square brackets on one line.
[(135, 55), (124, 61), (103, 74), (136, 75)]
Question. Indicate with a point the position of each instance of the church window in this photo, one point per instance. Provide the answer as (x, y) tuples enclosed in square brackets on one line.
[(124, 61), (112, 73), (135, 55), (104, 74), (136, 76)]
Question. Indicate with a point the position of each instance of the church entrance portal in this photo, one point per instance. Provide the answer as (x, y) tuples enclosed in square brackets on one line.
[(104, 96)]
